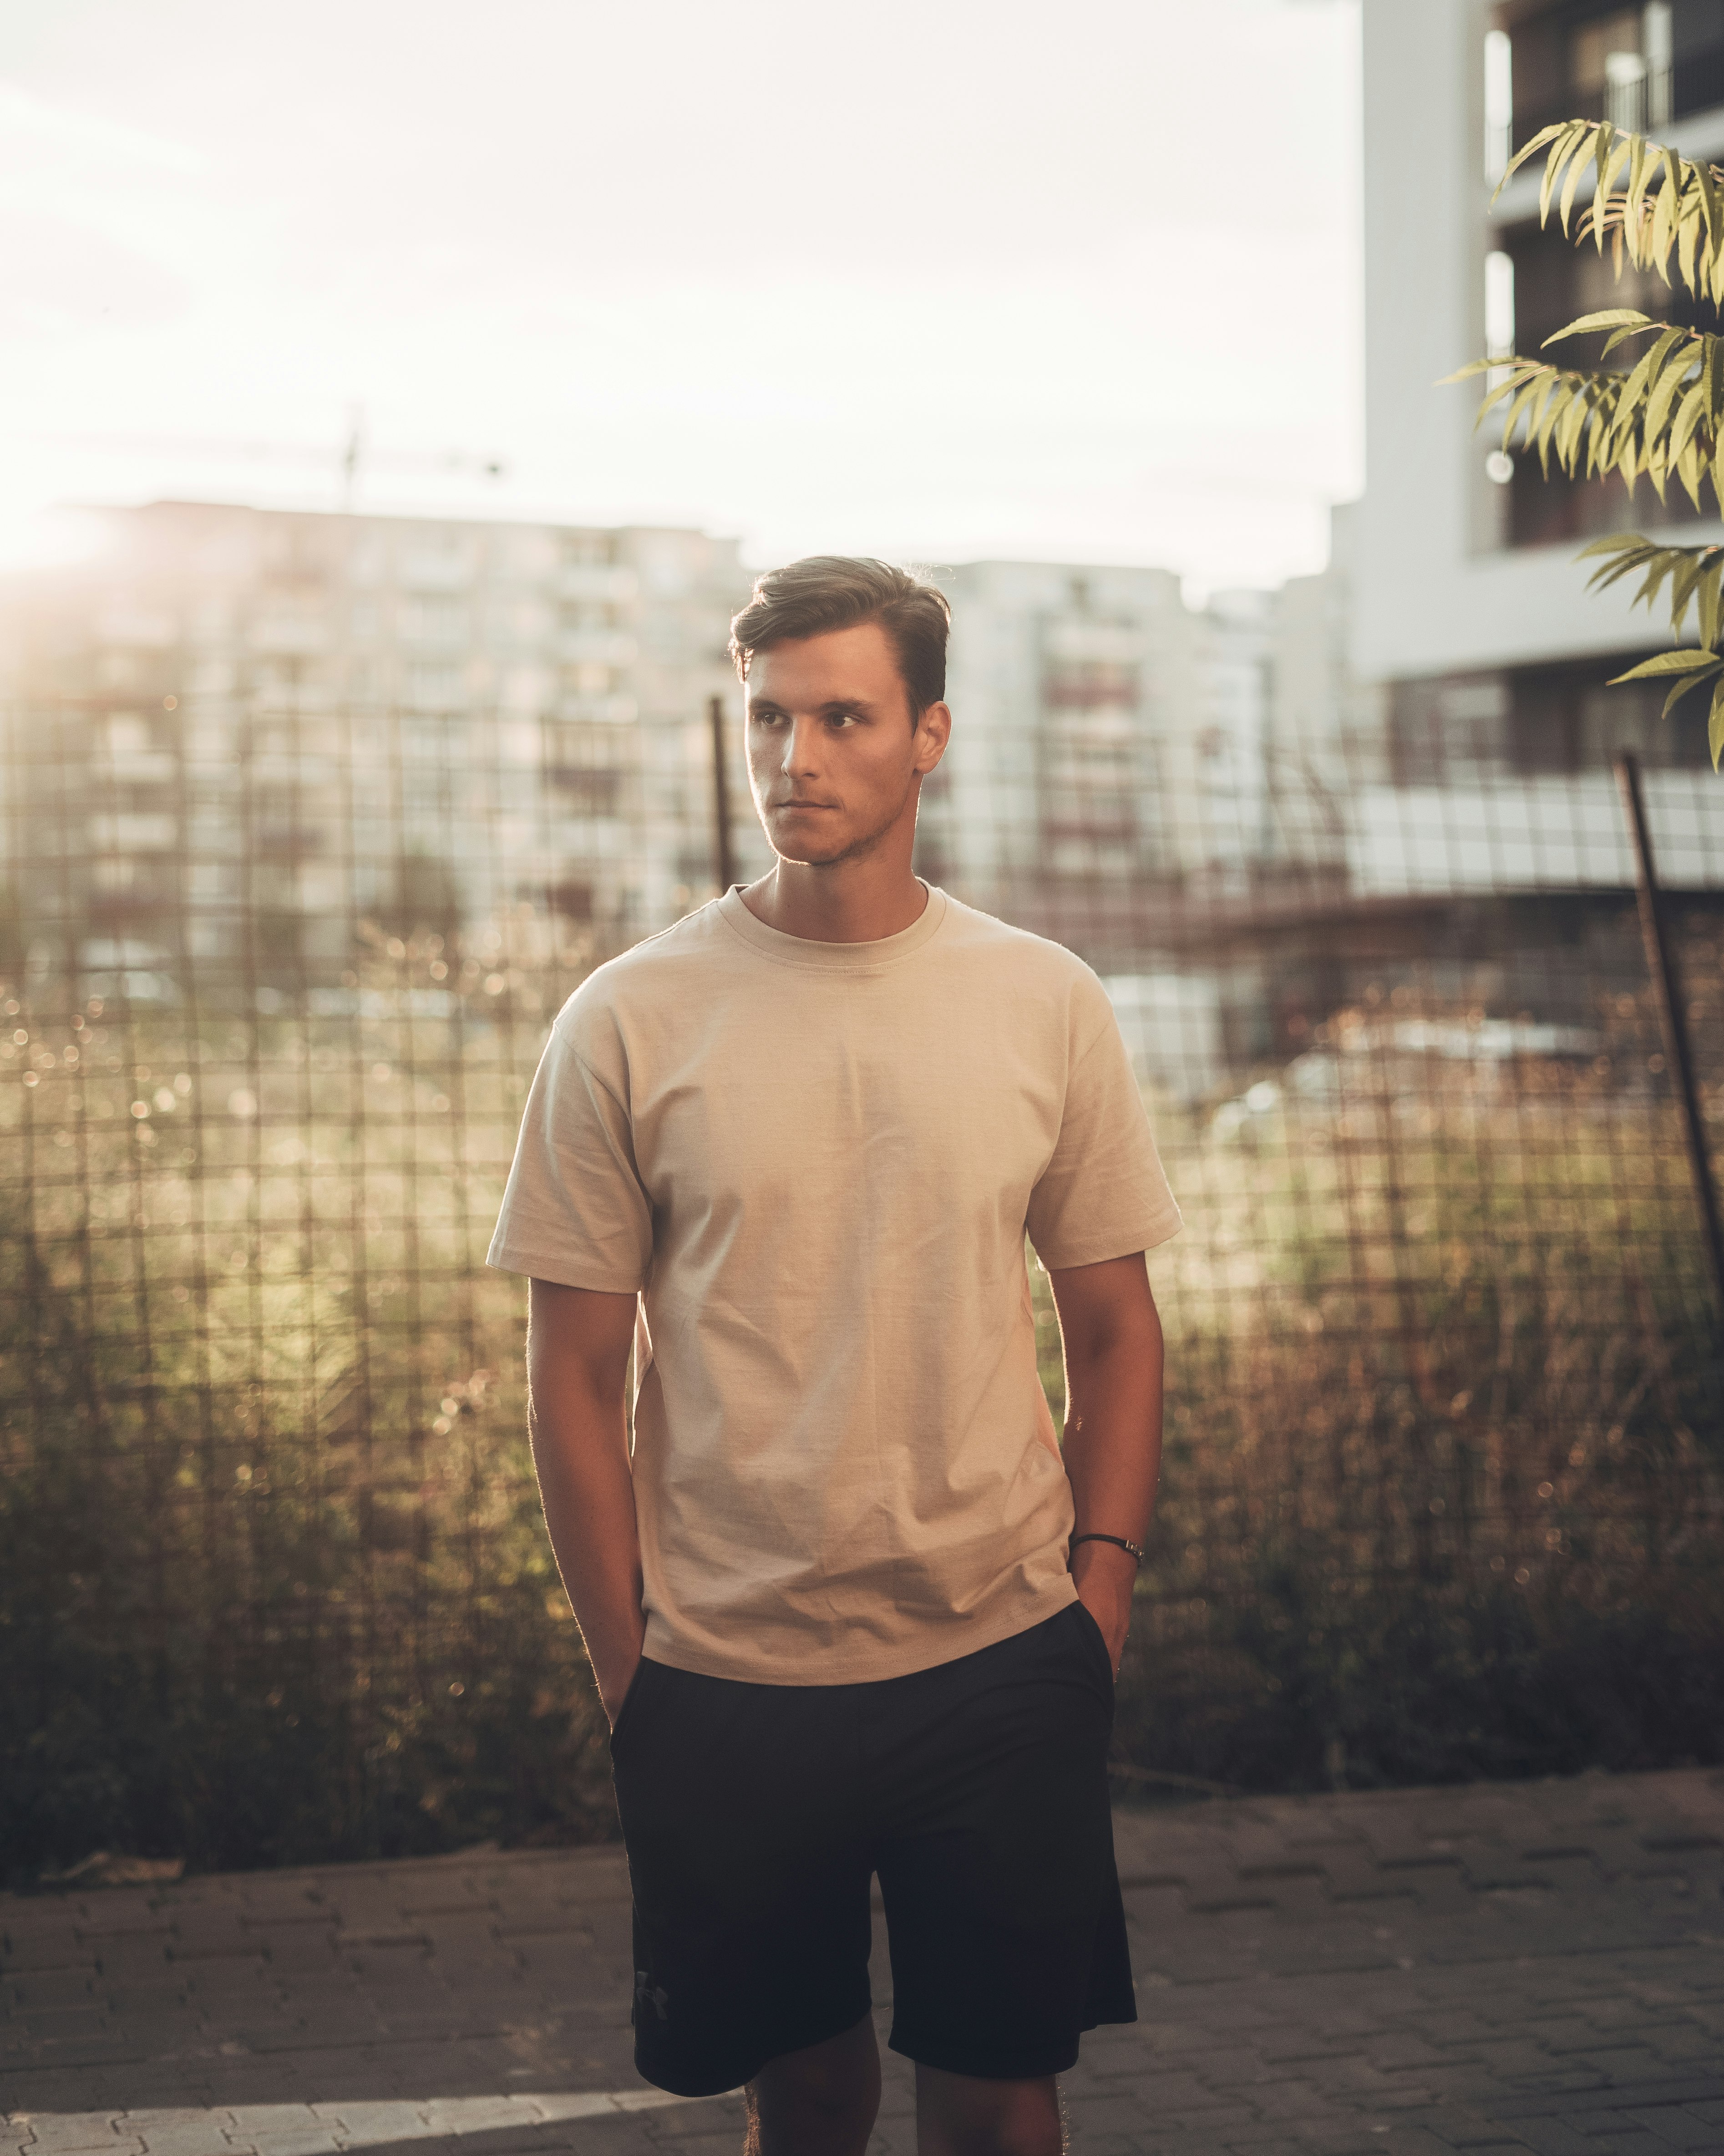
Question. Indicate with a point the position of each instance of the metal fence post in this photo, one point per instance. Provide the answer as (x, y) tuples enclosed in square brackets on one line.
[(724, 866), (1661, 965)]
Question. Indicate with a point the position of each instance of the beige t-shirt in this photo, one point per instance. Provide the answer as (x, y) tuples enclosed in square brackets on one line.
[(817, 1163)]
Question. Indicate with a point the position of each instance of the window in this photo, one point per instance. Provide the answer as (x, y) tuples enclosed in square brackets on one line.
[(1090, 686), (1448, 732), (1641, 68), (436, 624), (572, 900), (1469, 731), (433, 688), (1499, 103), (589, 790)]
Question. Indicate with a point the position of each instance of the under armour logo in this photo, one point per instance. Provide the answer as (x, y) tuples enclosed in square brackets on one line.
[(649, 1994)]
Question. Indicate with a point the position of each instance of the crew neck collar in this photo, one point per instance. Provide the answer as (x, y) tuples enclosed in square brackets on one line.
[(820, 957)]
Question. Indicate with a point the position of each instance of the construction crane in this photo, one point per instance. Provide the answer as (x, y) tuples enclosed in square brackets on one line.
[(352, 459)]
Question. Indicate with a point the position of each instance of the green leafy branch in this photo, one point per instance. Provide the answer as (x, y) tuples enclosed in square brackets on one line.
[(1662, 418), (1667, 204), (1696, 575)]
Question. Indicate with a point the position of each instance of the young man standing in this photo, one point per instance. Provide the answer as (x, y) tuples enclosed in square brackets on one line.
[(850, 1610)]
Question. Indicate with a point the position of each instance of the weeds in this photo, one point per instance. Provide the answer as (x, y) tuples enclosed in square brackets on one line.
[(1443, 1484)]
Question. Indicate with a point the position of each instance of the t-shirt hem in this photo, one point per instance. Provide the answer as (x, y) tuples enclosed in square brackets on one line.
[(1146, 1237), (950, 1643), (541, 1264)]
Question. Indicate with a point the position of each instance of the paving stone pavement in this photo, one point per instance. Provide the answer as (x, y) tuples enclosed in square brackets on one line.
[(1532, 1966)]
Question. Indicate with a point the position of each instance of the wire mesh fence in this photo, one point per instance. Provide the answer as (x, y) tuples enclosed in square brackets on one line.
[(1443, 1491)]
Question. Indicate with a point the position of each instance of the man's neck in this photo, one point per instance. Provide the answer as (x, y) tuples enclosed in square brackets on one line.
[(859, 902)]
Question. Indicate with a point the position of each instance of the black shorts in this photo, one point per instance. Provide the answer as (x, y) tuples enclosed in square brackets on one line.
[(755, 1815)]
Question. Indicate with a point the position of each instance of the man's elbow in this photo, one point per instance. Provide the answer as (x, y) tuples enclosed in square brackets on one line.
[(1127, 1329)]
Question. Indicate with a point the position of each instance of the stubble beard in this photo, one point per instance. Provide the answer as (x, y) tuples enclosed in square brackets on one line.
[(858, 848)]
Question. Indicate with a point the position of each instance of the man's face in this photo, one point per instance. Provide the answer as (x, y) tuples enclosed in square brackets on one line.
[(832, 759)]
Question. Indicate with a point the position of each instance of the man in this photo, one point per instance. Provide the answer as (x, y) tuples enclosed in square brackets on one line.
[(849, 1610)]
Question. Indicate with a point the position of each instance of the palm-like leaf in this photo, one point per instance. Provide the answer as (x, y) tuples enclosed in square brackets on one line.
[(1666, 206), (1695, 575), (1664, 416)]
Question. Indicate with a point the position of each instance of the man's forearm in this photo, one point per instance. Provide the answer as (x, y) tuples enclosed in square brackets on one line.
[(1113, 1451), (1113, 1427), (580, 1441), (1113, 1436)]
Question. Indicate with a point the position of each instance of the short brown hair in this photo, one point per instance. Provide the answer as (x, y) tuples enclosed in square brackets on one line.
[(824, 592)]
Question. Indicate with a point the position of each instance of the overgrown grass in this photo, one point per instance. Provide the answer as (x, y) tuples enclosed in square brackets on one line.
[(273, 1581), (1442, 1493)]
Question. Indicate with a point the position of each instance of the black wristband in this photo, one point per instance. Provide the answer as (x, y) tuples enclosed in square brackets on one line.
[(1119, 1542)]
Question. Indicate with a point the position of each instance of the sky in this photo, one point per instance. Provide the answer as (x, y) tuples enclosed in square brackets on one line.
[(941, 282)]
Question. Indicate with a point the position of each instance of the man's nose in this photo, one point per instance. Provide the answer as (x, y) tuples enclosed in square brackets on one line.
[(802, 746)]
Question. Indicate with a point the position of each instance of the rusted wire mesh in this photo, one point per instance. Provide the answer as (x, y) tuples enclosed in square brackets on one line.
[(1445, 1407)]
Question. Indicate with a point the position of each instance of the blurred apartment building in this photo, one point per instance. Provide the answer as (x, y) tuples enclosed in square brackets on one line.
[(234, 732), (1147, 781), (1128, 762), (1496, 810), (233, 735)]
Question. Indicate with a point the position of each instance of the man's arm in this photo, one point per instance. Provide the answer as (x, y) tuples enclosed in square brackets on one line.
[(577, 1365), (1112, 1338)]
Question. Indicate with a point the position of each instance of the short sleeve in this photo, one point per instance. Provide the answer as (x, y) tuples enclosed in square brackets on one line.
[(1103, 1194), (574, 1210)]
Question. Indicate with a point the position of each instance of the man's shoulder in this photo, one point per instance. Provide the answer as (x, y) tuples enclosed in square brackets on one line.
[(970, 936), (658, 970)]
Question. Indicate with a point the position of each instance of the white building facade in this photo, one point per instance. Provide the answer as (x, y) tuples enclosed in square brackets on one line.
[(1500, 729)]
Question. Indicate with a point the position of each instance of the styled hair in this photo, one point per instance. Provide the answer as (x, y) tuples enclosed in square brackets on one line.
[(824, 592)]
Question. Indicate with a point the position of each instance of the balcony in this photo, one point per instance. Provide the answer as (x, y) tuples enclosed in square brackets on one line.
[(137, 628), (134, 833), (151, 767), (282, 839), (1473, 731), (289, 635), (426, 566), (1101, 644), (596, 647), (1642, 68), (1558, 511), (596, 581), (596, 789)]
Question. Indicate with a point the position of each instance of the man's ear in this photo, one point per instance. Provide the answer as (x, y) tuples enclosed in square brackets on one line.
[(932, 732)]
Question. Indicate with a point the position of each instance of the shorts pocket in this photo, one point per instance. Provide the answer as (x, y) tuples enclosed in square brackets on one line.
[(1098, 1640), (626, 1710)]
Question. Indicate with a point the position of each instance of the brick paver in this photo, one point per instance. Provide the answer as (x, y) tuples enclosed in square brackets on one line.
[(1500, 1968)]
